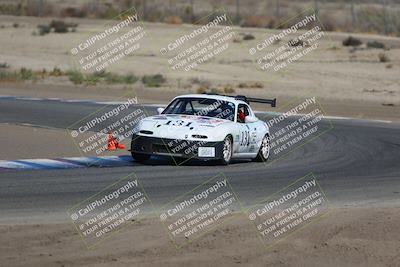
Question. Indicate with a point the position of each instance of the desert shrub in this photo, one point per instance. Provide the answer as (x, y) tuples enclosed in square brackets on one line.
[(59, 26), (257, 85), (111, 78), (248, 36), (15, 25), (44, 29), (11, 9), (26, 74), (251, 85), (173, 20), (216, 91), (4, 65), (383, 57), (130, 78), (228, 89), (351, 41), (376, 44), (43, 73), (76, 77), (92, 79), (388, 104), (22, 74), (55, 72), (201, 90), (153, 80), (7, 76), (296, 42)]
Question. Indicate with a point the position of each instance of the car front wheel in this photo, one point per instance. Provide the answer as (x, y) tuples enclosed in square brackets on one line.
[(263, 153), (226, 151)]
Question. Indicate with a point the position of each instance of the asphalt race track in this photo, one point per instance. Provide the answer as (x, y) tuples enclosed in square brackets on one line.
[(355, 162)]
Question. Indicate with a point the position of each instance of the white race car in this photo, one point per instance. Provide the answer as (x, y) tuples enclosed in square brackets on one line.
[(206, 127)]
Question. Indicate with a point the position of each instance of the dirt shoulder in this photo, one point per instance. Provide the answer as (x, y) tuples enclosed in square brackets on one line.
[(30, 142), (350, 82), (345, 237)]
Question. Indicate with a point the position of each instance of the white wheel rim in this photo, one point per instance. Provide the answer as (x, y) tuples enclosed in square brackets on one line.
[(227, 150), (265, 147)]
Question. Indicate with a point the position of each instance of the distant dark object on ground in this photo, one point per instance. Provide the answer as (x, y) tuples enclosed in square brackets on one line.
[(383, 57), (376, 44), (248, 36), (351, 41), (4, 65), (153, 80), (59, 26), (388, 104), (296, 42), (44, 29)]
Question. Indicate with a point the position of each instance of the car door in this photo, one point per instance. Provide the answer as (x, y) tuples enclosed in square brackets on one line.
[(251, 133), (245, 130)]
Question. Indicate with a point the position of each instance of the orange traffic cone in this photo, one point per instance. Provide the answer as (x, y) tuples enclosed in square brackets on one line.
[(120, 146), (111, 142)]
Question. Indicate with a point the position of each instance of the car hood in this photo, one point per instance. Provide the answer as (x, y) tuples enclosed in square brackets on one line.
[(176, 126)]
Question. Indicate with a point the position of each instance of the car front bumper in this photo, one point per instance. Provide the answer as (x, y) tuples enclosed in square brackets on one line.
[(174, 147)]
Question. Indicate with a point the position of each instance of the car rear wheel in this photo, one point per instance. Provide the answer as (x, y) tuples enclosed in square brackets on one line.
[(139, 157), (226, 151), (263, 153)]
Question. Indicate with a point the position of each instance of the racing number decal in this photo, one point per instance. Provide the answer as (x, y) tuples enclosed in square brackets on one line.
[(178, 123), (244, 138)]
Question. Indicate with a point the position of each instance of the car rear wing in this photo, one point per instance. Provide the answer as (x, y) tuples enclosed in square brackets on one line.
[(271, 102)]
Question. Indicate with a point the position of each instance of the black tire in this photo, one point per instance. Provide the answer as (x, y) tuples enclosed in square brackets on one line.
[(139, 157), (226, 155), (263, 155)]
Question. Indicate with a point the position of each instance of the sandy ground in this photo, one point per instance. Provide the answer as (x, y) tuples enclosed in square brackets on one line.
[(345, 237), (348, 83), (16, 142)]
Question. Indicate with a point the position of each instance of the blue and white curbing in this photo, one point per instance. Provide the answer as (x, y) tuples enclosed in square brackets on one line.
[(66, 163)]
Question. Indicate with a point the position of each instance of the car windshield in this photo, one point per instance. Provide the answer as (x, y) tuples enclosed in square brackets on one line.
[(202, 107)]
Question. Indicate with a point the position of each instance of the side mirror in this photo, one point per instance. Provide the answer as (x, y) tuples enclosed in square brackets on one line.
[(160, 110), (250, 119)]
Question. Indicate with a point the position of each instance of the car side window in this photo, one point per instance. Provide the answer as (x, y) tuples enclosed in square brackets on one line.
[(243, 112)]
